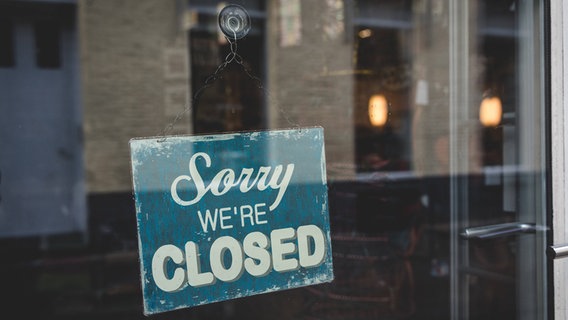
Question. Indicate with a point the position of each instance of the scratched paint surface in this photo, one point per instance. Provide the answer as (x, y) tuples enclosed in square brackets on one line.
[(162, 220)]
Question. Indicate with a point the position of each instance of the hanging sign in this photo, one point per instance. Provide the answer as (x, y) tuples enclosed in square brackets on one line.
[(230, 215)]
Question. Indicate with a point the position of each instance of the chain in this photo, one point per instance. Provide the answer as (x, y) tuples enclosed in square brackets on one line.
[(233, 56)]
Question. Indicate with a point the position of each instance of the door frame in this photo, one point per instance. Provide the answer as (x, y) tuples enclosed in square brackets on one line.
[(558, 13), (534, 19)]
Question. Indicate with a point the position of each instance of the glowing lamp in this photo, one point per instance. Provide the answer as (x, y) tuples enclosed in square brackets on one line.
[(490, 111), (365, 33), (378, 110)]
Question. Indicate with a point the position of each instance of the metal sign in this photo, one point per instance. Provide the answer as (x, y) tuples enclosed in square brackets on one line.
[(231, 215)]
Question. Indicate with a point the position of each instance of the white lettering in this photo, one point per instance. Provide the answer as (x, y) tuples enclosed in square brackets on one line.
[(209, 220), (246, 215), (227, 176), (266, 177), (194, 276), (197, 180), (224, 218), (280, 249), (257, 213), (217, 258), (255, 245), (160, 260), (316, 258), (258, 255), (247, 173)]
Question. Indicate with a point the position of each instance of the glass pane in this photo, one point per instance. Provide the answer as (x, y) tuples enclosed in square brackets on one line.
[(434, 117), (503, 274)]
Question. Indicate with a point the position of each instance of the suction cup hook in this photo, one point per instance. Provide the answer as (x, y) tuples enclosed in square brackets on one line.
[(234, 21)]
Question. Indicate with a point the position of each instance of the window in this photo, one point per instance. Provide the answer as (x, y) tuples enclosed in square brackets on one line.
[(6, 44), (47, 44), (435, 120)]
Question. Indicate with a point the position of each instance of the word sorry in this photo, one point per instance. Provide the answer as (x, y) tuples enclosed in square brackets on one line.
[(253, 255), (225, 180)]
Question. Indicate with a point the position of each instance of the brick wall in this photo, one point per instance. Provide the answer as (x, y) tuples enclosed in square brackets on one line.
[(311, 83), (134, 81)]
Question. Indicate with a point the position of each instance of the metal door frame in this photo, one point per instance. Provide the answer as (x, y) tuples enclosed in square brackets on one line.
[(534, 19), (558, 13)]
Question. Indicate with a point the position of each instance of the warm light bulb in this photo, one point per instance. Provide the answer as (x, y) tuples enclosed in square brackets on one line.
[(490, 111), (378, 110), (365, 33)]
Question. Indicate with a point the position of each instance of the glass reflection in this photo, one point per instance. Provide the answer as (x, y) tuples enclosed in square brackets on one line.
[(434, 123)]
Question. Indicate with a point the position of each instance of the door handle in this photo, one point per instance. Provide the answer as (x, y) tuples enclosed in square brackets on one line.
[(559, 251), (498, 230)]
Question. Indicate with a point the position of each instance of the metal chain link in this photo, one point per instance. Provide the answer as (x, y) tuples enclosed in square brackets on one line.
[(233, 56)]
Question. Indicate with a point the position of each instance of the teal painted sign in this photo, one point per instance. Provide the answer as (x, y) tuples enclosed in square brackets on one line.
[(231, 215)]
